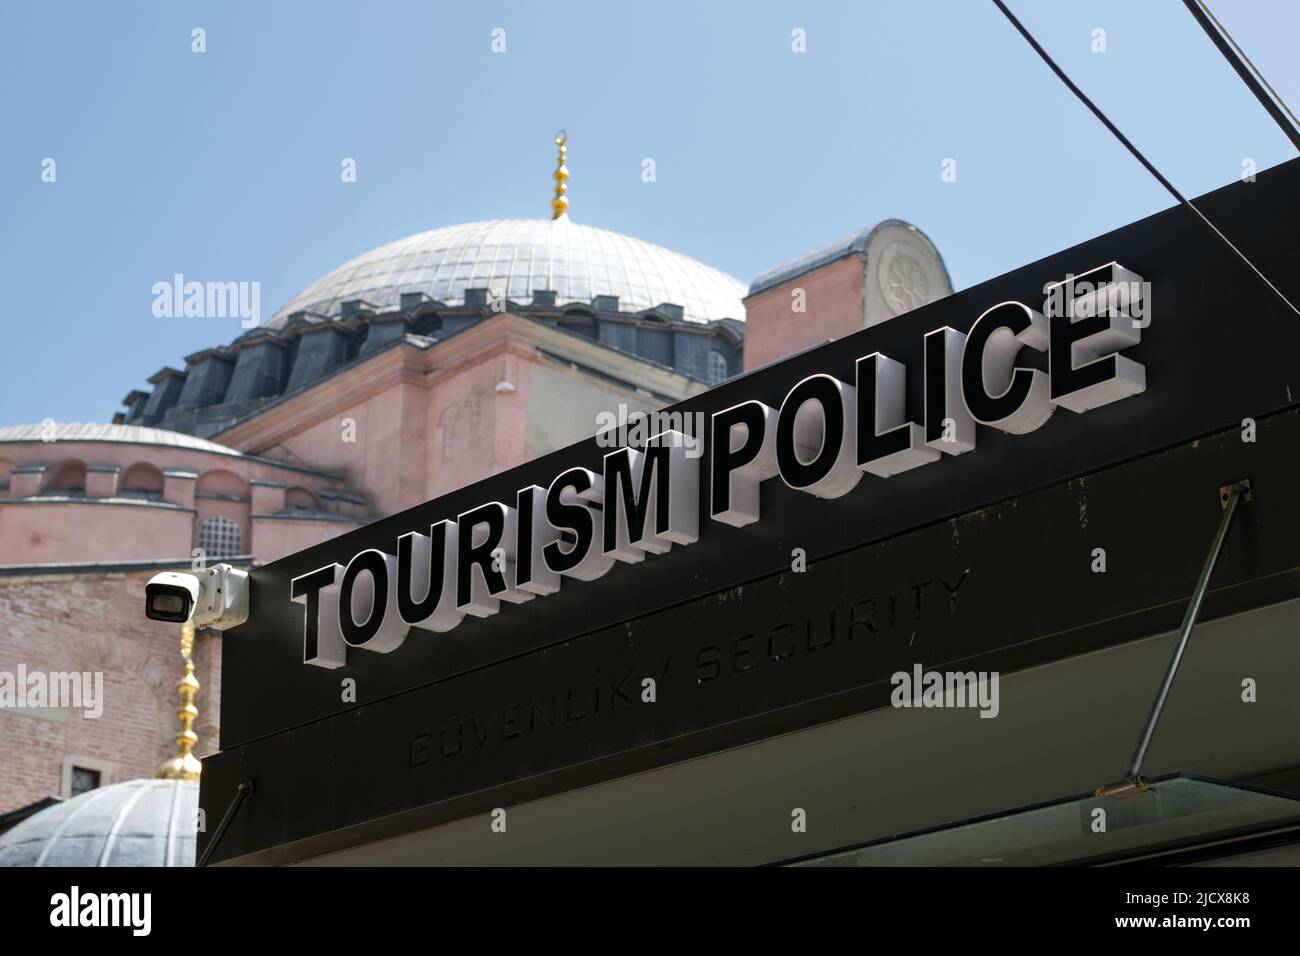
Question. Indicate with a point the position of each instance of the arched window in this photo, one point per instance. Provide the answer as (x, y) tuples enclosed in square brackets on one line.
[(300, 499), (221, 484), (717, 366), (218, 538), (142, 480), (68, 480)]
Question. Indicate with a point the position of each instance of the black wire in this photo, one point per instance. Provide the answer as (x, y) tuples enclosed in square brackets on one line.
[(1137, 154), (1212, 30), (1083, 97)]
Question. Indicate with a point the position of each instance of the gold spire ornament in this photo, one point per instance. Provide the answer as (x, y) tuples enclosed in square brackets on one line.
[(185, 766), (560, 204)]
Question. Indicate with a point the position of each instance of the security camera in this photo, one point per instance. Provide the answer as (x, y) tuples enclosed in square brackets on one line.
[(215, 597)]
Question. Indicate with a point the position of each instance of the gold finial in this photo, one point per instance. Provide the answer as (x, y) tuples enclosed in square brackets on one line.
[(185, 766), (560, 205)]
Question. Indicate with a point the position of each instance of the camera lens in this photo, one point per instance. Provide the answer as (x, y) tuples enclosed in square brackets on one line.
[(168, 604)]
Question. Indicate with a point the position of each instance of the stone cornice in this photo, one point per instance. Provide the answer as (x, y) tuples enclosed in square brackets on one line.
[(616, 363), (111, 502), (351, 386), (323, 518), (405, 363)]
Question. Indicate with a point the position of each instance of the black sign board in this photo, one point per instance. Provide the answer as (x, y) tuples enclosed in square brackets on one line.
[(978, 559)]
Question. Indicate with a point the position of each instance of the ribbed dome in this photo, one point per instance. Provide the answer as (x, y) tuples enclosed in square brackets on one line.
[(520, 257), (127, 434), (137, 823)]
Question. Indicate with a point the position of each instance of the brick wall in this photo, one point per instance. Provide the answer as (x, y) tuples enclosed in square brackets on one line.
[(96, 623)]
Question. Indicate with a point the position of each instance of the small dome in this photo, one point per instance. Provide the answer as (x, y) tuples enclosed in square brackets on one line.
[(127, 434), (136, 823), (520, 257)]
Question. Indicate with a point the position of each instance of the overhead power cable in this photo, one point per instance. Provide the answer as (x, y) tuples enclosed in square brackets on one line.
[(1248, 72), (1137, 154)]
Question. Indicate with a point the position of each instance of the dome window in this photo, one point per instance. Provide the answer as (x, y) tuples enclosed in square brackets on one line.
[(68, 480), (142, 481), (219, 538), (83, 781), (717, 367)]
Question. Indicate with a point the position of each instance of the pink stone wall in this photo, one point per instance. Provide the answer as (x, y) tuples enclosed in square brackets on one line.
[(223, 482), (77, 533), (40, 531), (510, 411), (376, 444), (96, 623), (464, 410), (424, 422), (834, 298), (275, 538)]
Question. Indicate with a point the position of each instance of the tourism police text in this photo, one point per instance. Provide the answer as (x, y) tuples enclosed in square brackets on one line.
[(825, 436)]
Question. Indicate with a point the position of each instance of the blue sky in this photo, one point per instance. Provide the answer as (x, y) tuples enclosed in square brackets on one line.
[(225, 165)]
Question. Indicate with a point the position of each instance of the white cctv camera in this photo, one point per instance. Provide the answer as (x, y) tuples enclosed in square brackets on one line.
[(215, 597)]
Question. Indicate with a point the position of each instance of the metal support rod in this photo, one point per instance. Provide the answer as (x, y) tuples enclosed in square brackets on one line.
[(1189, 621), (241, 792), (1249, 73)]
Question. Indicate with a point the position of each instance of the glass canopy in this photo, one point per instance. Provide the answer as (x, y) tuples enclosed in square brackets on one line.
[(1174, 811)]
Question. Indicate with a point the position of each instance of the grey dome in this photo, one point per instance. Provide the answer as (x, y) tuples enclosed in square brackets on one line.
[(520, 257), (128, 434), (136, 823)]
